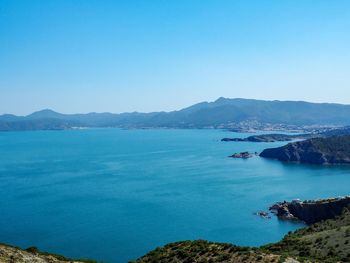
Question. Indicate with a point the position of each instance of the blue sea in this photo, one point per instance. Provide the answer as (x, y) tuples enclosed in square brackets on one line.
[(113, 195)]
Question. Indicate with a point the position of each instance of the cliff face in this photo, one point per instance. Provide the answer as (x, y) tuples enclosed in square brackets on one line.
[(332, 150), (312, 211)]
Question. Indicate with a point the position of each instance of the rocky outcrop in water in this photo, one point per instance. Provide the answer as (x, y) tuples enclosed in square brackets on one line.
[(311, 211), (242, 155), (331, 150)]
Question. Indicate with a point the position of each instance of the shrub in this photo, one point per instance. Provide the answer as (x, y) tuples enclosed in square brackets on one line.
[(33, 250)]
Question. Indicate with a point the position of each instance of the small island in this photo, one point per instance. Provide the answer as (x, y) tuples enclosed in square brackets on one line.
[(243, 155)]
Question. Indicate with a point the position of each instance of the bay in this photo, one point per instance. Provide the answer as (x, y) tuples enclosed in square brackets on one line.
[(113, 194)]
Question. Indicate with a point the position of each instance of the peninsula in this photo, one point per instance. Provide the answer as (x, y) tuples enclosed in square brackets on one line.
[(330, 150), (278, 137), (311, 211), (269, 138)]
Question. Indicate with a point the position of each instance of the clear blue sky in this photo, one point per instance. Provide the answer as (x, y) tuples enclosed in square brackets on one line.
[(133, 55)]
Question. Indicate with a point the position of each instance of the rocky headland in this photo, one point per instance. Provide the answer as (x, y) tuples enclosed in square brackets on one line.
[(329, 150), (311, 211)]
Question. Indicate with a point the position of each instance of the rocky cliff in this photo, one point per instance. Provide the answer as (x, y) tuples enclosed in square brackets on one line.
[(331, 150), (312, 211)]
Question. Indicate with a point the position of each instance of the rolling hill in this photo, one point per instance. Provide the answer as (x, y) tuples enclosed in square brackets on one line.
[(222, 113)]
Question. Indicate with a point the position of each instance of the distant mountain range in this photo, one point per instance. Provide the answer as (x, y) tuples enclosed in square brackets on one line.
[(222, 113)]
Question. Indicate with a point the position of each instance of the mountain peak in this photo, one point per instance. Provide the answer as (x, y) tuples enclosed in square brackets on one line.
[(46, 113), (221, 99)]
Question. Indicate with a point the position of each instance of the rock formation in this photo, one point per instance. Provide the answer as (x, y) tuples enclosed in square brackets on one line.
[(311, 211), (331, 150)]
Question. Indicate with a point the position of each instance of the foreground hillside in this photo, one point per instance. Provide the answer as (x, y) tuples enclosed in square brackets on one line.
[(9, 254), (332, 150), (204, 251), (326, 241)]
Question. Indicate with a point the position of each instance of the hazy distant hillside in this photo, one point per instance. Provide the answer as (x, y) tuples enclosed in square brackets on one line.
[(220, 113)]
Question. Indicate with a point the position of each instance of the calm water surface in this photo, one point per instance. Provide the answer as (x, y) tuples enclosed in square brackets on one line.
[(113, 195)]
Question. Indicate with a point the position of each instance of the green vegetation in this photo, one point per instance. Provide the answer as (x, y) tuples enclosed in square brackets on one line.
[(327, 241), (206, 252)]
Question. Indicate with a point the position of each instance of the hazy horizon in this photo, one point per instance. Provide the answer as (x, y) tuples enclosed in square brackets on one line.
[(146, 56)]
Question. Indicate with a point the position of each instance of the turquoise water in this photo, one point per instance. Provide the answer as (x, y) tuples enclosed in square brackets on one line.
[(113, 195)]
